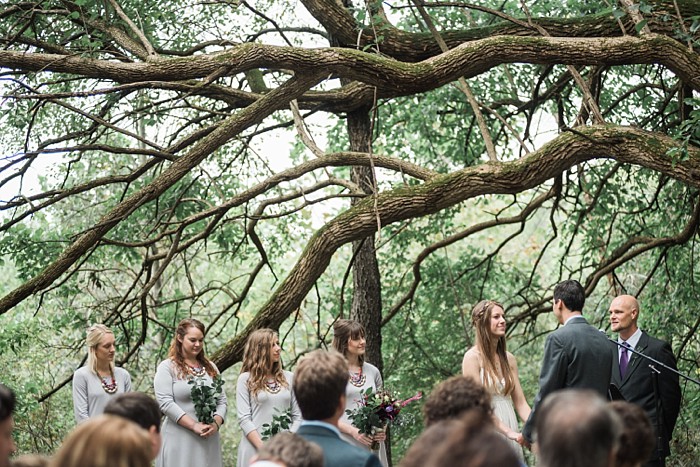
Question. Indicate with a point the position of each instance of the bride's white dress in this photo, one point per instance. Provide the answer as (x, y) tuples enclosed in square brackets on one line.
[(503, 410)]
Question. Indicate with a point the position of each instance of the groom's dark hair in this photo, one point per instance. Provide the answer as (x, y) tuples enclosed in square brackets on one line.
[(571, 293)]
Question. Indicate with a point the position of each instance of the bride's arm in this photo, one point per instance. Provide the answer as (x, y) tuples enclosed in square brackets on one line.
[(519, 402)]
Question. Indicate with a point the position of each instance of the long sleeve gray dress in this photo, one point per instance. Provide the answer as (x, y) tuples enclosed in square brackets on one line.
[(373, 379), (254, 412), (181, 447), (89, 397)]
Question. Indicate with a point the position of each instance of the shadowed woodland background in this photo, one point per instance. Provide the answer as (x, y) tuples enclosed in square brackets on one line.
[(281, 163)]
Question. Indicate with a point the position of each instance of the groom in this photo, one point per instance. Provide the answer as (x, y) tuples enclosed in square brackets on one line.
[(576, 355)]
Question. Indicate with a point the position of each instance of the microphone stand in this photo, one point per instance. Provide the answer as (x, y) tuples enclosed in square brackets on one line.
[(655, 372)]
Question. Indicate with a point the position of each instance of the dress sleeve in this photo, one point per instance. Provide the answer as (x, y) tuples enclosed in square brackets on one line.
[(80, 397), (163, 387), (127, 381), (296, 412), (221, 402), (378, 383), (243, 405)]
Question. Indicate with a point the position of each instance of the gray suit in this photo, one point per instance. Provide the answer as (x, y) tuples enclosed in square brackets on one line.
[(575, 356), (336, 452)]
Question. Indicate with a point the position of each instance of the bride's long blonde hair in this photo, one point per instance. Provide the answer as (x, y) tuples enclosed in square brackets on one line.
[(481, 320)]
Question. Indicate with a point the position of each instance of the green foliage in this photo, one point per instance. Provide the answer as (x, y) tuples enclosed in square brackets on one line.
[(281, 421), (205, 397)]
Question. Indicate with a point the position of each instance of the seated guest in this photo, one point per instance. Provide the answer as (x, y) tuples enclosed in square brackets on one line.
[(7, 424), (453, 397), (141, 409), (577, 428), (637, 439), (286, 449), (474, 443), (105, 441), (319, 386)]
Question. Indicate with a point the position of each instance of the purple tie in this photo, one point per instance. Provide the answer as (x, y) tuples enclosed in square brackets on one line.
[(624, 359)]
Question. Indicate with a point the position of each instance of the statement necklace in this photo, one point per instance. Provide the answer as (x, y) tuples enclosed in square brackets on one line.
[(108, 384), (273, 387), (197, 371), (358, 379)]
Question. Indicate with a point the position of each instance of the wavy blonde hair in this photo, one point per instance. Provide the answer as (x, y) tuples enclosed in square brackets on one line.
[(93, 337), (343, 331), (175, 352), (257, 360), (481, 320)]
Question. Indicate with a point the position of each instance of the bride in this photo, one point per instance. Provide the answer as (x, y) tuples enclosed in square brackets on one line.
[(489, 363)]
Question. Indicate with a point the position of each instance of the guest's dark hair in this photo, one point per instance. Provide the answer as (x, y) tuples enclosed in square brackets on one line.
[(637, 439), (571, 293), (453, 397), (424, 446), (7, 402), (576, 428), (320, 379), (475, 444), (138, 407), (292, 450)]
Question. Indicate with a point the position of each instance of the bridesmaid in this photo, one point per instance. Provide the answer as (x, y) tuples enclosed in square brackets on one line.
[(263, 390), (489, 363), (186, 440), (96, 382), (349, 340)]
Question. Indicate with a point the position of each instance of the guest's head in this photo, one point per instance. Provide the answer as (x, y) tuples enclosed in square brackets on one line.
[(101, 347), (261, 358), (319, 385), (105, 441), (349, 339), (289, 450), (571, 294), (577, 428), (489, 321), (141, 409), (30, 460), (424, 446), (624, 312), (188, 345), (475, 444), (637, 439), (453, 397), (7, 425)]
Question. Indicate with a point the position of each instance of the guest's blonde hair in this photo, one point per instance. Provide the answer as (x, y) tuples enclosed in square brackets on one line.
[(94, 336), (105, 441)]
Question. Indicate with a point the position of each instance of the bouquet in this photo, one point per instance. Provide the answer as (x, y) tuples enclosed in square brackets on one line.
[(280, 422), (205, 397), (376, 410)]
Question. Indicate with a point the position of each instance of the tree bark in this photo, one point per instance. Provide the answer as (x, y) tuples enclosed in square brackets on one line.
[(367, 294)]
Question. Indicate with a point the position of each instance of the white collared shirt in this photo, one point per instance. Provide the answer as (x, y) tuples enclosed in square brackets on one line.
[(571, 318), (632, 342)]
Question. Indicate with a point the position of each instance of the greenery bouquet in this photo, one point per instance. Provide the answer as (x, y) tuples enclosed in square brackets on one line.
[(376, 410), (205, 397)]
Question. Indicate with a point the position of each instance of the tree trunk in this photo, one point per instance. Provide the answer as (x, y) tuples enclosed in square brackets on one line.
[(367, 290), (367, 297)]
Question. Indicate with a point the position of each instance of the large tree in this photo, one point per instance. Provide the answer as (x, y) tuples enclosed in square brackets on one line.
[(449, 125)]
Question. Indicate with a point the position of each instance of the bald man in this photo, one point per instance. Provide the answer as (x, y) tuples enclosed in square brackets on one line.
[(636, 382)]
